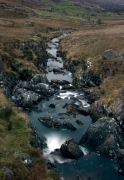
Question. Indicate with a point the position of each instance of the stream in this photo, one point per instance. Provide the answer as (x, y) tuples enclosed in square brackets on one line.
[(90, 166)]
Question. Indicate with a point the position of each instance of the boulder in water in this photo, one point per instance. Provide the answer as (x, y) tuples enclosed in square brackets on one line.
[(70, 149), (50, 122), (69, 126), (105, 137), (53, 105)]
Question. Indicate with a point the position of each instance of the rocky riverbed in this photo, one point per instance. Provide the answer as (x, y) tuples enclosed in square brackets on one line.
[(61, 112)]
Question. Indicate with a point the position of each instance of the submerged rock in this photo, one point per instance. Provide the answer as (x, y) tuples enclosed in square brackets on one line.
[(79, 121), (106, 137), (53, 105), (68, 125), (70, 149), (50, 122)]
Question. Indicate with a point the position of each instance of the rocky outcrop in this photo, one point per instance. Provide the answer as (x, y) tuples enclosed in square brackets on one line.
[(97, 110), (117, 111), (105, 137), (25, 159), (25, 98), (87, 79), (27, 93), (109, 54), (39, 49), (70, 149), (91, 95)]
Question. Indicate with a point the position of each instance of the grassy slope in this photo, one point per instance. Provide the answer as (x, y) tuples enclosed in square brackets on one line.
[(89, 44)]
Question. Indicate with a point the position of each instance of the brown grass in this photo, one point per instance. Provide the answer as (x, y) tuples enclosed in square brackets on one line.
[(89, 44)]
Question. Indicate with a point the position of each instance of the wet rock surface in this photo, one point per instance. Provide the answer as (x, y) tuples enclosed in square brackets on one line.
[(50, 122), (105, 137), (27, 93), (70, 149), (121, 167), (53, 123)]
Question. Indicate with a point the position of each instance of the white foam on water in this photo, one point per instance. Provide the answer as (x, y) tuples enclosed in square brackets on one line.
[(54, 142), (67, 94), (84, 150), (60, 87), (84, 103)]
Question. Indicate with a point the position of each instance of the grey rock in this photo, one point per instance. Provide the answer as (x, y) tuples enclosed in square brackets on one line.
[(109, 54), (26, 98), (39, 78), (8, 173), (80, 122), (68, 86), (60, 82), (97, 110), (43, 89), (50, 122), (117, 111), (70, 149), (58, 70), (91, 95), (68, 125), (106, 137)]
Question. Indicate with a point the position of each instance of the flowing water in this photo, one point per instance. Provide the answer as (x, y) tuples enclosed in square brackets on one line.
[(90, 166)]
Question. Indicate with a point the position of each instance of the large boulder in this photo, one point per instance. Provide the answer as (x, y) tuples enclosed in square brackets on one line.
[(70, 149), (26, 98), (109, 54), (97, 110), (117, 111), (43, 89), (105, 137)]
